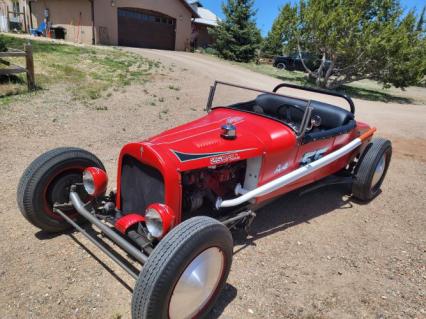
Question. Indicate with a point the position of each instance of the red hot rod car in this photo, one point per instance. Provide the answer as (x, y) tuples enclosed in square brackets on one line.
[(181, 192)]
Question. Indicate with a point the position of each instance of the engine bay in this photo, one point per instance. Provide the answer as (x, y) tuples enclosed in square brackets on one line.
[(201, 188)]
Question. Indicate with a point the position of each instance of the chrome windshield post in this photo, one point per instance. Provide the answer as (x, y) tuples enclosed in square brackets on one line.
[(211, 97), (305, 121)]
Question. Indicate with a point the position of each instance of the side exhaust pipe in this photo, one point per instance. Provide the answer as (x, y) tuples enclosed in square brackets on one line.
[(293, 176)]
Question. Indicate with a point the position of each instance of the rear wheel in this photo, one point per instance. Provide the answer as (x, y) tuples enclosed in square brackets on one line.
[(185, 273), (48, 180), (281, 66), (372, 169)]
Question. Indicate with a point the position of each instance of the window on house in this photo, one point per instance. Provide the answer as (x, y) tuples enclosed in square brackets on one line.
[(15, 8)]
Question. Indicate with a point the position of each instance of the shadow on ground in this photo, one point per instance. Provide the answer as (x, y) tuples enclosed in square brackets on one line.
[(105, 266), (287, 211), (354, 92), (292, 210), (41, 235), (11, 85), (371, 95), (11, 79)]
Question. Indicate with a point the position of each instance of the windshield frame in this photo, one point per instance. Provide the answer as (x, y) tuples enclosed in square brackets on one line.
[(214, 86)]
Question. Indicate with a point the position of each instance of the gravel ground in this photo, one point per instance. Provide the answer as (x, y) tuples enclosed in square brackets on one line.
[(318, 256)]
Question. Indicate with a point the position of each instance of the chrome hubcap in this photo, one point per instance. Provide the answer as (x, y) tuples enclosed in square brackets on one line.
[(197, 284), (378, 172)]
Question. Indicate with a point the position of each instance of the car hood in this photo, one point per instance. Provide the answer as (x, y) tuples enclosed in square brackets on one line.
[(199, 143)]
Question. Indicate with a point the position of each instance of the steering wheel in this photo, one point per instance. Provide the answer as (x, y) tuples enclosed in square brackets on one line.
[(285, 114)]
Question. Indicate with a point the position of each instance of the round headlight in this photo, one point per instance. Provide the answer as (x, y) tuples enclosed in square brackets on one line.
[(159, 218), (154, 223), (88, 182), (95, 181)]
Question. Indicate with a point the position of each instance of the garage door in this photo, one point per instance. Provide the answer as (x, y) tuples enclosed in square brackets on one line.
[(146, 29)]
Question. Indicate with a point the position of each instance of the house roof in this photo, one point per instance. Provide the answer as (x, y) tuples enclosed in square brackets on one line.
[(190, 8), (206, 17), (195, 2)]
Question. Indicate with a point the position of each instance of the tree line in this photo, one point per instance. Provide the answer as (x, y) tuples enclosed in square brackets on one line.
[(353, 39)]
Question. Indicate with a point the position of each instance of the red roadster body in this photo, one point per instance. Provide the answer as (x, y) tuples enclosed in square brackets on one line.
[(199, 144)]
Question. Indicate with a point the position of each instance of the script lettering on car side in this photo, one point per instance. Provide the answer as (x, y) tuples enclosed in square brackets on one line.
[(281, 168), (225, 158)]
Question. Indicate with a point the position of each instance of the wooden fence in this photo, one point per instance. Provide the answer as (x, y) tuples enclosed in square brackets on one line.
[(15, 69)]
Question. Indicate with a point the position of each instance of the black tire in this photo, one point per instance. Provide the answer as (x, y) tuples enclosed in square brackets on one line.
[(159, 276), (281, 66), (47, 180), (363, 188)]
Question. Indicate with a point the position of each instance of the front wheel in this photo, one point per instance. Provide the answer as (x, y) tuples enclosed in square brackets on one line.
[(185, 273), (47, 181)]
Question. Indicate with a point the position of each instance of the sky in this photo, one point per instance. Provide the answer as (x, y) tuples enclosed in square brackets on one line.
[(267, 10)]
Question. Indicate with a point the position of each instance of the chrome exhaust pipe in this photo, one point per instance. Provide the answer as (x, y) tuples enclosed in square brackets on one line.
[(118, 239), (293, 176)]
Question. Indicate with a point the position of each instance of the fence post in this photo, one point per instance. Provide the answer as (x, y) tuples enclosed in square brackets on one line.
[(30, 66), (25, 21)]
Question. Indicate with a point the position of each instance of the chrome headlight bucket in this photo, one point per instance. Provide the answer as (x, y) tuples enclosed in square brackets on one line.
[(159, 218), (88, 182), (154, 223), (95, 181)]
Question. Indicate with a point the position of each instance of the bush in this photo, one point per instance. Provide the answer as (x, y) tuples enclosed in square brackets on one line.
[(209, 50), (3, 47)]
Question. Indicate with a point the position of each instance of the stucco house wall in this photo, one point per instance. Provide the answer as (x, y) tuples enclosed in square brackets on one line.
[(74, 16)]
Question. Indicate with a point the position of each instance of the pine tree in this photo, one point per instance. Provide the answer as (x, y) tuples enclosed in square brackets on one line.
[(421, 22), (237, 36), (281, 32)]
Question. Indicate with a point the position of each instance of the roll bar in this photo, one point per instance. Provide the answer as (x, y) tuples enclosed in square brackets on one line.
[(321, 91)]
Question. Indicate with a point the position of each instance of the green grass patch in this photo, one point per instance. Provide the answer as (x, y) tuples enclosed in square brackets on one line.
[(87, 72)]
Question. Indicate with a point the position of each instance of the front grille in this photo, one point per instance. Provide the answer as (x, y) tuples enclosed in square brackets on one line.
[(141, 185)]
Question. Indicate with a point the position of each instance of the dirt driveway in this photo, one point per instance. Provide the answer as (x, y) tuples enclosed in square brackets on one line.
[(318, 256)]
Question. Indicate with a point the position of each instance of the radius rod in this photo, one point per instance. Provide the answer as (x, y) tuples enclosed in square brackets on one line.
[(95, 242)]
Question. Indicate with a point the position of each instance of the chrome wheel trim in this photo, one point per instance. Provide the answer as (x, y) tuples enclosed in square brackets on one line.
[(379, 171), (197, 284)]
